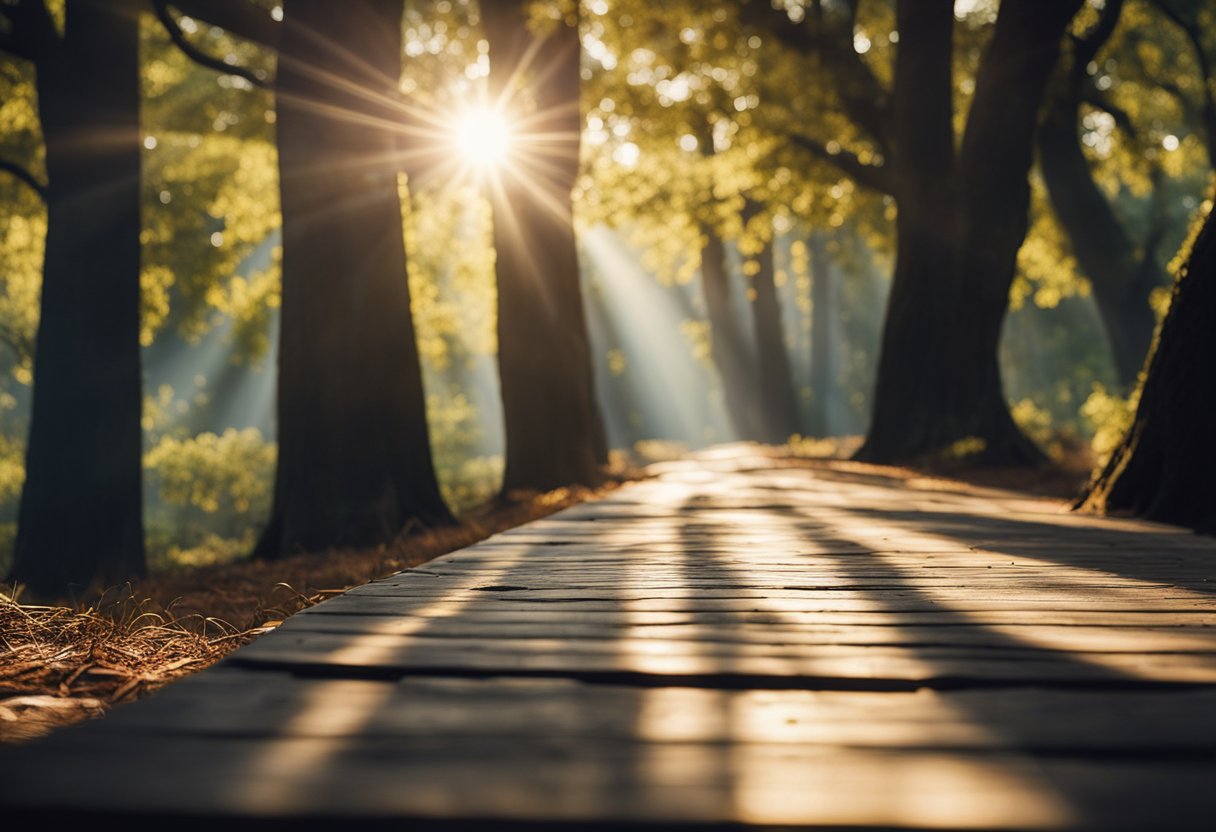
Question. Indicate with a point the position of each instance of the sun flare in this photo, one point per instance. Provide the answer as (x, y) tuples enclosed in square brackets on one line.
[(483, 137)]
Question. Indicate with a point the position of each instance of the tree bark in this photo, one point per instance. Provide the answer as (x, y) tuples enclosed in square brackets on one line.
[(960, 226), (913, 412), (354, 466), (994, 165), (778, 404), (1162, 468), (554, 430), (81, 515)]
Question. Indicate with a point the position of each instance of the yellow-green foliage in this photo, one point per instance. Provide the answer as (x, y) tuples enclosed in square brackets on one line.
[(1108, 416), (453, 294), (1034, 421), (210, 192), (205, 550), (698, 335), (688, 118), (22, 216), (1047, 269), (470, 482), (966, 448), (12, 472), (22, 239), (465, 480), (231, 471)]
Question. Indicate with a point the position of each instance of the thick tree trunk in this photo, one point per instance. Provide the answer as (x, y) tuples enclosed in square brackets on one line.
[(727, 347), (821, 334), (554, 431), (779, 407), (994, 166), (939, 383), (1162, 469), (81, 516), (914, 413), (354, 462)]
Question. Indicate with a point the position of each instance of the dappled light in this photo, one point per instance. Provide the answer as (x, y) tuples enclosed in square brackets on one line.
[(752, 646), (774, 408)]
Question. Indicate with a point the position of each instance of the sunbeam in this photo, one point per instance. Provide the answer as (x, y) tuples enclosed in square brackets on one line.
[(484, 136)]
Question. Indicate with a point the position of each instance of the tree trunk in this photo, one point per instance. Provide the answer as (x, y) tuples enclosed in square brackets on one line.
[(779, 406), (914, 412), (1122, 279), (994, 166), (939, 383), (554, 431), (354, 465), (821, 334), (1162, 468), (81, 515), (727, 346)]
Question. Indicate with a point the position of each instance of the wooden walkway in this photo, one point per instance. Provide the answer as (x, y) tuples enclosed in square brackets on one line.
[(730, 643)]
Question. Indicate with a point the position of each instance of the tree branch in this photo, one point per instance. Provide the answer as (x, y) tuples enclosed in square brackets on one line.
[(1194, 35), (760, 14), (864, 98), (31, 33), (161, 8), (240, 17), (874, 177), (1088, 45), (25, 176), (1094, 97)]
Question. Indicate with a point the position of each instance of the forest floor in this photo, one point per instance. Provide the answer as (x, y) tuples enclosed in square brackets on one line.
[(61, 664)]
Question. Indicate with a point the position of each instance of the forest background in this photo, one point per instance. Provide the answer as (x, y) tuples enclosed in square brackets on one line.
[(695, 132)]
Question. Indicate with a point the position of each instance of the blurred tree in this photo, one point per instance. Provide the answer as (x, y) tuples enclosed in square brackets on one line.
[(1122, 277), (821, 335), (1124, 131), (728, 348), (681, 162), (962, 211), (1160, 469), (778, 403), (81, 509), (354, 464), (554, 432), (1195, 19)]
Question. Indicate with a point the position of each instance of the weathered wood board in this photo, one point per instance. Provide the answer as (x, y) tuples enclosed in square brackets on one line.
[(732, 643)]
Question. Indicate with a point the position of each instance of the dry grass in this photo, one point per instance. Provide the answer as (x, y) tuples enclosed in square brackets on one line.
[(61, 664)]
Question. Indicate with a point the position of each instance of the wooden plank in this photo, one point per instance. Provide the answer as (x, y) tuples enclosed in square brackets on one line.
[(557, 614), (233, 702), (818, 664), (732, 642), (827, 603), (1074, 639), (556, 780), (712, 580), (894, 593)]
